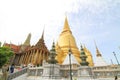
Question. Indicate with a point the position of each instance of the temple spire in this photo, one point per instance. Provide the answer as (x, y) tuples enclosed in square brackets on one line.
[(27, 41), (83, 57), (42, 37), (99, 59), (66, 26), (64, 45), (40, 43), (52, 55), (98, 54)]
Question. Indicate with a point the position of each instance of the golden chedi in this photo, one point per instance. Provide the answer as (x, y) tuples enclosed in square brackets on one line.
[(89, 56), (65, 41)]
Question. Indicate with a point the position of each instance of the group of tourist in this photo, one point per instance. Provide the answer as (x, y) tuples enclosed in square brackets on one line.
[(6, 69)]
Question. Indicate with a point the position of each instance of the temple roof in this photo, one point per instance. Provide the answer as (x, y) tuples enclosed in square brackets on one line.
[(14, 47), (40, 44)]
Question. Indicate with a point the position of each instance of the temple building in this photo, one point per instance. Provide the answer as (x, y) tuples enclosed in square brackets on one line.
[(26, 54), (35, 54)]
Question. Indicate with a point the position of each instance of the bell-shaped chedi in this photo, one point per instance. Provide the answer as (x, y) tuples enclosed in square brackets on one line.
[(99, 59), (62, 46), (89, 56)]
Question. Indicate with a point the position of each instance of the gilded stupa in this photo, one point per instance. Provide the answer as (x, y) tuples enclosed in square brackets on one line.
[(89, 56), (62, 46)]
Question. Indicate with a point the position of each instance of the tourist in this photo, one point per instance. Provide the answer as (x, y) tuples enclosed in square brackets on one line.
[(116, 78), (12, 68), (5, 69)]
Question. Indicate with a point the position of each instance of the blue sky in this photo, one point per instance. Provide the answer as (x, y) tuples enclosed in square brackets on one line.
[(89, 20)]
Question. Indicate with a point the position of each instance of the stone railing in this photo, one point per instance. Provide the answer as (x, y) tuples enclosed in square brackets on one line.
[(107, 71), (16, 74), (35, 71)]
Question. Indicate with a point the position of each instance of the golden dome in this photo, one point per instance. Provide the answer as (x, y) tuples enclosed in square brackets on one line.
[(65, 41)]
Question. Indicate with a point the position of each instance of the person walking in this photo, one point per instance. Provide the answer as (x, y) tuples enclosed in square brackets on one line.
[(12, 68), (116, 78)]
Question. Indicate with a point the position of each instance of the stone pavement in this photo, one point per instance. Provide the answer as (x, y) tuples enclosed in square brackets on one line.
[(24, 77)]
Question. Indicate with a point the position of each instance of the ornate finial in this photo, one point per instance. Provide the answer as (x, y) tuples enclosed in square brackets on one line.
[(97, 51), (43, 33), (53, 46), (81, 47), (95, 44), (66, 26)]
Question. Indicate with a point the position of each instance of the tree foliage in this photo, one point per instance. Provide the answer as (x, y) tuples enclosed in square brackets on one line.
[(5, 54)]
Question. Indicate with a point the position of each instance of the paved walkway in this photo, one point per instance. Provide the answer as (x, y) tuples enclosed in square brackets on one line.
[(24, 77)]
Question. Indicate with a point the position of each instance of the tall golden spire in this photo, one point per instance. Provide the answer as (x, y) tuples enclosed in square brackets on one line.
[(98, 54), (66, 26), (27, 41), (66, 40)]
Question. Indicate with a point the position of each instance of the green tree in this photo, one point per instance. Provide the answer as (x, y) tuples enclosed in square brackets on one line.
[(5, 54)]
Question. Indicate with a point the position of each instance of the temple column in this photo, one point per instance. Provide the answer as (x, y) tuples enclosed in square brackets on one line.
[(33, 56), (29, 57), (39, 57), (25, 58), (21, 60), (18, 59)]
